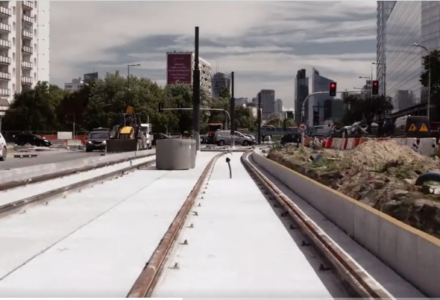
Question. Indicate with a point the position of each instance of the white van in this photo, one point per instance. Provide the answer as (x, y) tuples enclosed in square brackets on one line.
[(3, 148)]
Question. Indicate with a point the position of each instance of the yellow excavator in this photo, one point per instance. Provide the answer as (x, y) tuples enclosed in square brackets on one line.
[(127, 135)]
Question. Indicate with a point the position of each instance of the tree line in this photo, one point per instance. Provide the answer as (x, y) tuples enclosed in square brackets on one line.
[(47, 107)]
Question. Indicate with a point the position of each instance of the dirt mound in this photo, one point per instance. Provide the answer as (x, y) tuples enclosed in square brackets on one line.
[(375, 156), (380, 174)]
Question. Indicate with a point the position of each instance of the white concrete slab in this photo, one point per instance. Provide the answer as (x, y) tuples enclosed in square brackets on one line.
[(395, 285), (19, 193), (239, 247), (95, 243)]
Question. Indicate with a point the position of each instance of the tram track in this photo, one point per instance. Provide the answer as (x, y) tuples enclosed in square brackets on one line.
[(198, 206), (354, 279), (17, 205)]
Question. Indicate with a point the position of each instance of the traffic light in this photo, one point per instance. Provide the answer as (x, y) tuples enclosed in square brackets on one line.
[(375, 88), (332, 89), (160, 107)]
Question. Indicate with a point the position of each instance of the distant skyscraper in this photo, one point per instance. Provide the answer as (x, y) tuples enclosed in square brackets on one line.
[(220, 81), (267, 101), (278, 106), (301, 92), (315, 104)]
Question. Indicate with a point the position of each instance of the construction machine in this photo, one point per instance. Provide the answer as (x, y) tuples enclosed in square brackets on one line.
[(128, 135)]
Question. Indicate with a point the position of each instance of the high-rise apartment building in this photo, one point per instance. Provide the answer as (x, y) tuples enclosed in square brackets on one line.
[(180, 66), (301, 92), (24, 45), (220, 81), (398, 62), (278, 106)]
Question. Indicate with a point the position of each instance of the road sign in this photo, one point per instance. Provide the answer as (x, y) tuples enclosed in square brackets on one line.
[(303, 127), (423, 128), (412, 128)]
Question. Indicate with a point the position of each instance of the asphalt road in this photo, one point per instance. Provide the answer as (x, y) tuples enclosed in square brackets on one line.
[(44, 157)]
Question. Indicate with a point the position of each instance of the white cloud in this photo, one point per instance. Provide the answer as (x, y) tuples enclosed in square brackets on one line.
[(81, 32)]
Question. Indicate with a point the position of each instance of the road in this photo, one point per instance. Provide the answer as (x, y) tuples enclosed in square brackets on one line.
[(44, 157)]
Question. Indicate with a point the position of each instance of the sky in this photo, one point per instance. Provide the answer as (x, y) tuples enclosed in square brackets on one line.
[(264, 43)]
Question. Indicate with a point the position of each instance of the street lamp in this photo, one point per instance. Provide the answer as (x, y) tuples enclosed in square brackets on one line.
[(128, 74), (369, 79), (429, 77)]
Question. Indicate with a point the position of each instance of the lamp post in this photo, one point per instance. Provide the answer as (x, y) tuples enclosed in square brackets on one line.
[(429, 78), (128, 74), (369, 78)]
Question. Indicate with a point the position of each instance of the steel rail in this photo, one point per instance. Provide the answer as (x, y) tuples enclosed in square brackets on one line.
[(19, 183), (347, 270), (144, 284), (12, 206)]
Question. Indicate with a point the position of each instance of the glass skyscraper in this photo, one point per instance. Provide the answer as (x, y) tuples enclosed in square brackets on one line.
[(399, 64), (301, 92)]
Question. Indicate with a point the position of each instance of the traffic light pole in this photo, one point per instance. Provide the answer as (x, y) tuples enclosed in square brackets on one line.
[(259, 118), (196, 91), (232, 109), (303, 108)]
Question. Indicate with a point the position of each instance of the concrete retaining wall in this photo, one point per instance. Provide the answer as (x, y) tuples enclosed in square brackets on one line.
[(413, 254), (20, 174)]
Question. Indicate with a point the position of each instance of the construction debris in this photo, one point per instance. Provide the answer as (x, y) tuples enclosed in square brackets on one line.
[(381, 174)]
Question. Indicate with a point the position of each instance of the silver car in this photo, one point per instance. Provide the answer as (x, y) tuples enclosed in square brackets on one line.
[(223, 137)]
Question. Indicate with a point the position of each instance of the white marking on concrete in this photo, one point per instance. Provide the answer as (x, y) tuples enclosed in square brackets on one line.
[(239, 247), (94, 243)]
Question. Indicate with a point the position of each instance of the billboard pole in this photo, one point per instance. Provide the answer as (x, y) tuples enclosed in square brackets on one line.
[(196, 91), (232, 110)]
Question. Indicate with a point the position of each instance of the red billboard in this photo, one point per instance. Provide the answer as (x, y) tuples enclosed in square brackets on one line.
[(179, 68)]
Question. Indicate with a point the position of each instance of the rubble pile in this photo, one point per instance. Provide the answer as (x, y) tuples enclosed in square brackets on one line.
[(380, 174)]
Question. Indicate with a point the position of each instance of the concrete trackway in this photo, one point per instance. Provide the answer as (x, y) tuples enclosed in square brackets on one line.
[(44, 157)]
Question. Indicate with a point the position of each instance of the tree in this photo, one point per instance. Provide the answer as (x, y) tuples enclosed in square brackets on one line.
[(366, 110), (277, 122), (34, 109), (224, 93), (73, 107), (432, 60)]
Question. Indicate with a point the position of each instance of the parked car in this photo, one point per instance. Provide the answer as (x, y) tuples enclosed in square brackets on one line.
[(3, 148), (31, 139)]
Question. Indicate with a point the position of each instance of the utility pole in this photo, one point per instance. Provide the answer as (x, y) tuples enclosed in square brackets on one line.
[(259, 118), (232, 111), (128, 74), (196, 91)]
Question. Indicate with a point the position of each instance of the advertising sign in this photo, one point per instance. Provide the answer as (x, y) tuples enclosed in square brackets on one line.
[(179, 68)]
